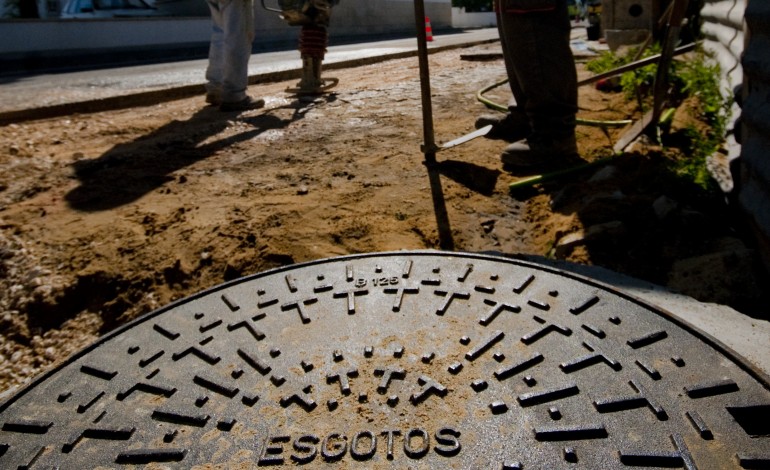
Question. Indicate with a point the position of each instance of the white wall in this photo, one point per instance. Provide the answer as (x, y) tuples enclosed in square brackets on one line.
[(30, 36), (350, 18), (385, 16), (462, 19)]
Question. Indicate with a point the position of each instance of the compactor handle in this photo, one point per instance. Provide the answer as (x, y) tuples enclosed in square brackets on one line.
[(270, 9)]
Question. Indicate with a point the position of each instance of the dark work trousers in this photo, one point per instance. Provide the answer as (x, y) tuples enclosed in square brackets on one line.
[(535, 37)]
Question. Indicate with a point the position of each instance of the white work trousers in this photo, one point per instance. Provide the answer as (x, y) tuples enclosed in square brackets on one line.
[(230, 49)]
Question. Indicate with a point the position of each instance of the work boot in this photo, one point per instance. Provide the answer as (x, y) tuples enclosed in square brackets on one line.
[(536, 153), (511, 126), (245, 104), (213, 98)]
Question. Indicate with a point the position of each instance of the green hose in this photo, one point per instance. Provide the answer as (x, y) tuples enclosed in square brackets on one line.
[(489, 103), (546, 177), (583, 122)]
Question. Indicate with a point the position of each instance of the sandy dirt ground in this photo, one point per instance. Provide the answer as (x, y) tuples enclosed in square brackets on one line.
[(108, 216)]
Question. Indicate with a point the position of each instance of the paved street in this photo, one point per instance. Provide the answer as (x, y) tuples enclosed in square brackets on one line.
[(126, 86), (64, 88)]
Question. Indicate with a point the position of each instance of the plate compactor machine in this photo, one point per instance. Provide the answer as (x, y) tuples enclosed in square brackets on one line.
[(313, 16)]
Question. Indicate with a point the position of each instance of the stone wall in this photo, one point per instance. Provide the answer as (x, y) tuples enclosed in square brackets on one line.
[(723, 36), (752, 170)]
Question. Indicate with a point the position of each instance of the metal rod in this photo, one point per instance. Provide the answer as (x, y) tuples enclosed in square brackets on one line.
[(429, 148), (427, 106), (270, 9), (660, 87)]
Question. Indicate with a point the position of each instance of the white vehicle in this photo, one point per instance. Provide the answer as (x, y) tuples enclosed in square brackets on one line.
[(109, 9)]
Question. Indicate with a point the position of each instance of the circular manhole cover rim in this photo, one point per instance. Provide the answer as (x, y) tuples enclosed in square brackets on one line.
[(740, 362)]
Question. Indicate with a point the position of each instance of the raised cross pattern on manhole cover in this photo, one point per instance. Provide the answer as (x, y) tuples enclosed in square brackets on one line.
[(397, 360)]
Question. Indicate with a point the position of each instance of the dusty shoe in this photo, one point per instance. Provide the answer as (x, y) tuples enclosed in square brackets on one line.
[(213, 99), (245, 104), (525, 154), (511, 126)]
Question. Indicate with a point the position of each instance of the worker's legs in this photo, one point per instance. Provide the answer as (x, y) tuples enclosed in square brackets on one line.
[(215, 69), (513, 125), (518, 102), (543, 66), (232, 35)]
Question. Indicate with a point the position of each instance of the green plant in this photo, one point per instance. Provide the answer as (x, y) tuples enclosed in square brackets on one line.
[(696, 77), (638, 81), (700, 79), (606, 62), (635, 82), (694, 167)]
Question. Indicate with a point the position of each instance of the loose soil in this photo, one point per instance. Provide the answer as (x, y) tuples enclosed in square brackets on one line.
[(108, 216)]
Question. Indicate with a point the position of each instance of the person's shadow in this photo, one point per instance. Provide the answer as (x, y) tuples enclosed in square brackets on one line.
[(130, 170)]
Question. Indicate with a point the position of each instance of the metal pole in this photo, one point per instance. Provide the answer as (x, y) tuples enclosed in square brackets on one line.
[(649, 122), (429, 148), (660, 87)]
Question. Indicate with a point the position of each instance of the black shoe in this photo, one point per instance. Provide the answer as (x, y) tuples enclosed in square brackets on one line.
[(213, 99), (511, 126), (530, 155), (245, 104)]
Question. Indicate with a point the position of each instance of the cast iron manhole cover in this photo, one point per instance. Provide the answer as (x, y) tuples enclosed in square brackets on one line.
[(409, 359)]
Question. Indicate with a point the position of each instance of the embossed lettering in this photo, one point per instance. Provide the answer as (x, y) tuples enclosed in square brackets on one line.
[(363, 446), (360, 283), (334, 447), (383, 281), (365, 454), (305, 449), (272, 450), (390, 435), (419, 452), (448, 441)]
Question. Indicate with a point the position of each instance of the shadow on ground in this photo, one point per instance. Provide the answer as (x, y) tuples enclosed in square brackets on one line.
[(130, 170), (638, 217)]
